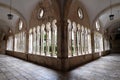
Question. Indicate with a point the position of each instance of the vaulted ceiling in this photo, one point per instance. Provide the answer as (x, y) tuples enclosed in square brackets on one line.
[(96, 9), (100, 10), (21, 8)]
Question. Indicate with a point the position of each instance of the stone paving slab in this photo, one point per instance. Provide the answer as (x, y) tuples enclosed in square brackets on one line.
[(105, 68)]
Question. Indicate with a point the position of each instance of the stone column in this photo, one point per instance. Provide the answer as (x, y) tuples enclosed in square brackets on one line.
[(42, 38), (69, 38), (103, 44), (87, 41), (53, 37), (78, 39), (82, 40), (13, 44), (32, 41), (48, 28), (92, 43), (84, 32), (38, 40), (80, 44), (75, 39)]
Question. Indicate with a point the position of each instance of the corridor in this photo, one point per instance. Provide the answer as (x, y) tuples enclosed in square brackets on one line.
[(104, 68)]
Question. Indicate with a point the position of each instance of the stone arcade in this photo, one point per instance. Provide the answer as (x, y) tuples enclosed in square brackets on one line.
[(60, 36)]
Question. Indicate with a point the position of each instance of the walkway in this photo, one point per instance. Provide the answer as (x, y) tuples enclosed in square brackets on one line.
[(105, 68)]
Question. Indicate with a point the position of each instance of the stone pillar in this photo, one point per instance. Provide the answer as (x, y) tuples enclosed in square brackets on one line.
[(103, 44), (26, 41), (48, 28), (78, 39), (42, 38), (13, 44), (38, 40), (75, 39), (64, 46), (32, 41), (82, 40), (92, 43), (84, 48), (69, 37), (87, 41), (53, 37)]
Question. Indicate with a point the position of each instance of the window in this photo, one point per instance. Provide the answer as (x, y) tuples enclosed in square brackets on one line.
[(44, 39), (98, 39), (10, 43), (20, 25), (106, 44), (40, 13), (98, 25), (80, 13), (20, 42)]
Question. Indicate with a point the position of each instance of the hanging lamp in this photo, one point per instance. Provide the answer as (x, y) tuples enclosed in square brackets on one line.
[(10, 15), (111, 16)]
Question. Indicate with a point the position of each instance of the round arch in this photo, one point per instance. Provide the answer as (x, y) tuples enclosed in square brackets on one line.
[(103, 11), (15, 11), (70, 12)]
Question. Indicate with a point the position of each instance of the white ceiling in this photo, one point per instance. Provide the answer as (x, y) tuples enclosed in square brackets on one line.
[(93, 7)]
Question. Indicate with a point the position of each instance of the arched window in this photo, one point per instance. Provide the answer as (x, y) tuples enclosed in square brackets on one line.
[(98, 25), (106, 44), (20, 25), (80, 13), (40, 13), (10, 43), (98, 39), (20, 42), (20, 39)]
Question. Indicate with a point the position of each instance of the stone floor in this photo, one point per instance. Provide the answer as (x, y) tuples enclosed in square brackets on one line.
[(105, 68)]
